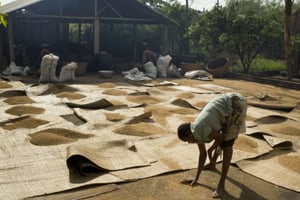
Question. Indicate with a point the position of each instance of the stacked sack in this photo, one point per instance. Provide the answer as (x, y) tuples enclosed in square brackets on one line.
[(163, 63), (48, 68), (67, 72), (150, 70), (163, 69)]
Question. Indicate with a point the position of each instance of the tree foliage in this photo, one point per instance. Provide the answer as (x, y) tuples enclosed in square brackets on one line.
[(184, 16), (244, 28), (3, 21), (244, 34), (205, 33)]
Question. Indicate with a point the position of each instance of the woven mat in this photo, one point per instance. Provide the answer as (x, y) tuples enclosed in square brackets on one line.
[(257, 113), (31, 170), (28, 169), (271, 138), (193, 89), (101, 117), (215, 88), (183, 103), (101, 103), (246, 147), (279, 168), (271, 102), (295, 113), (109, 156)]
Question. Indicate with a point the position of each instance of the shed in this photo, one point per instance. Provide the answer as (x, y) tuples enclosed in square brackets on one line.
[(37, 24), (296, 32)]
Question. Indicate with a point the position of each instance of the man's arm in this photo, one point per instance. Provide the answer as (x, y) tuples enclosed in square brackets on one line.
[(201, 162), (218, 139)]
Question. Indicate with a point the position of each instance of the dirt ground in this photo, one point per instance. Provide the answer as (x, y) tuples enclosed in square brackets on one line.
[(239, 185)]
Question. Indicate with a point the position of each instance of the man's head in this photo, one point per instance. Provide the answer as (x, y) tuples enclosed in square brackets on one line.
[(184, 133)]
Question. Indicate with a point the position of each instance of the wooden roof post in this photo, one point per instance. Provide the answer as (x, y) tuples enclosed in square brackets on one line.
[(11, 40), (134, 43), (96, 30), (1, 50), (166, 43)]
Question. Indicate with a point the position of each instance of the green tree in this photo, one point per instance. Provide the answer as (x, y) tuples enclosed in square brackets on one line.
[(244, 33), (187, 4), (206, 32), (273, 30), (243, 28), (176, 11), (2, 19)]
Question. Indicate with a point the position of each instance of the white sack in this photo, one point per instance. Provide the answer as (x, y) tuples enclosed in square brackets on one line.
[(67, 72), (150, 70), (163, 63), (173, 71), (198, 74), (12, 69), (48, 68)]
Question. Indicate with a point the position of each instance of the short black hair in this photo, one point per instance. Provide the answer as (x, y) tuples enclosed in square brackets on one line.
[(182, 129)]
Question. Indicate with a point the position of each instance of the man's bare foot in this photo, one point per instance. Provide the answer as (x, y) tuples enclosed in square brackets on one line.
[(187, 181), (209, 166), (218, 193), (191, 182)]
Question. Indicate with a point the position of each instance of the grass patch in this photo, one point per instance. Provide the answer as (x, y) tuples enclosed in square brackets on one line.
[(260, 64)]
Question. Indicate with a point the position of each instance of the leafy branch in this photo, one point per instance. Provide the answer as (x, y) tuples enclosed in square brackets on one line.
[(3, 20)]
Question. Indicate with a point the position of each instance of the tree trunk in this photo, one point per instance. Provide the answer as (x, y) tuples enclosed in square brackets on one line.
[(1, 50), (287, 38), (186, 5)]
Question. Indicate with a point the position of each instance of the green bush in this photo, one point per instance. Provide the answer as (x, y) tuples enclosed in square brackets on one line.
[(261, 64)]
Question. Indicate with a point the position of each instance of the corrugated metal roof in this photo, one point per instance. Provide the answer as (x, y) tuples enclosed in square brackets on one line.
[(15, 5)]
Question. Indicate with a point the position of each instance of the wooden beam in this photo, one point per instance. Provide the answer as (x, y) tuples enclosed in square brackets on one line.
[(11, 39), (1, 50), (166, 44), (103, 19), (134, 43), (96, 30)]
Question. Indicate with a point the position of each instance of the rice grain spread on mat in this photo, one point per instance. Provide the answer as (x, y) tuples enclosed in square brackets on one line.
[(287, 129), (106, 85), (55, 136), (4, 85), (18, 100), (27, 122), (114, 92), (140, 129), (245, 144), (186, 95), (144, 99), (292, 162), (22, 110), (70, 95)]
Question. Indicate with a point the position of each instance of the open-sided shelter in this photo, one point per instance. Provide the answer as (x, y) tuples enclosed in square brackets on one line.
[(73, 28)]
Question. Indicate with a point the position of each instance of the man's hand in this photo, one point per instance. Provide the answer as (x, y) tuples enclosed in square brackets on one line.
[(210, 155), (209, 166)]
